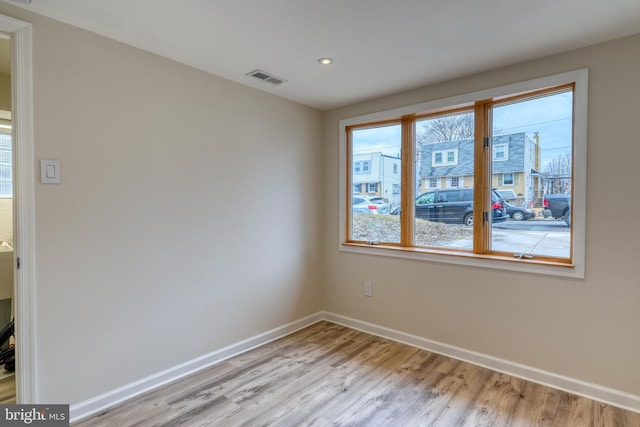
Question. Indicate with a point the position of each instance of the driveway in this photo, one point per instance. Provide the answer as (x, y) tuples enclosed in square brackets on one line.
[(535, 237)]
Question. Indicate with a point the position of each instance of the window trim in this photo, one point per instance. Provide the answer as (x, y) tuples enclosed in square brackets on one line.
[(576, 270), (504, 183), (506, 153), (444, 157)]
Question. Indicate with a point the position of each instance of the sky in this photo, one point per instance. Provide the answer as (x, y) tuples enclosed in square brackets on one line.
[(550, 116)]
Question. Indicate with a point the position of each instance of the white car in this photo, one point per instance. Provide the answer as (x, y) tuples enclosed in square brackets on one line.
[(383, 207), (367, 204)]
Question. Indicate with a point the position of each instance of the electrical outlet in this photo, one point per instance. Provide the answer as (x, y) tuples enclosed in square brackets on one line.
[(368, 289)]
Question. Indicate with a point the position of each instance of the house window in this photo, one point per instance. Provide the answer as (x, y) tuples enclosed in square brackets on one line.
[(451, 158), (500, 153), (356, 188), (357, 167), (555, 107), (445, 158), (395, 168), (365, 141), (6, 166)]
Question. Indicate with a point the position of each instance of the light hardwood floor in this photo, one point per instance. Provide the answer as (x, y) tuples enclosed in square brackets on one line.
[(7, 389), (330, 375)]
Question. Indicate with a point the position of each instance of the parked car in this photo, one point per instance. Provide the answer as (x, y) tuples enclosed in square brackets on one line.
[(558, 206), (383, 207), (364, 204), (455, 206), (518, 213)]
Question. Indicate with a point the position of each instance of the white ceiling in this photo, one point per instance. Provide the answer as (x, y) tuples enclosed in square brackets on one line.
[(379, 46)]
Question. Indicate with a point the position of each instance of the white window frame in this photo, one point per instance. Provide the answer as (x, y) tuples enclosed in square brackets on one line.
[(445, 157), (506, 152), (581, 79), (513, 179), (436, 180), (450, 182)]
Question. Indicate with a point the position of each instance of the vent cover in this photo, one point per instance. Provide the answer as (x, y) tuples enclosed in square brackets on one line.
[(266, 77)]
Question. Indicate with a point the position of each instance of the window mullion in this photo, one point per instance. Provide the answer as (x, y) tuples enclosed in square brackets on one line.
[(481, 176), (407, 190)]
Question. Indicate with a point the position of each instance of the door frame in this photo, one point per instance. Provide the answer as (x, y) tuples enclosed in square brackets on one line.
[(20, 33)]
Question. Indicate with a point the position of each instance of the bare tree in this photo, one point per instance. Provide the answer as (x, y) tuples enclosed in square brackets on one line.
[(558, 174), (445, 128)]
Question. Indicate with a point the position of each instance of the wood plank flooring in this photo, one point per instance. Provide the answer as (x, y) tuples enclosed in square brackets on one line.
[(330, 375), (7, 389)]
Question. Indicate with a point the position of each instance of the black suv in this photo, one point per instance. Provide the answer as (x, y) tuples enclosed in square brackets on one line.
[(456, 206)]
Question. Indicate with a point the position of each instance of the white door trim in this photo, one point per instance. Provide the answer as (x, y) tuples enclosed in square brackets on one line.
[(24, 205)]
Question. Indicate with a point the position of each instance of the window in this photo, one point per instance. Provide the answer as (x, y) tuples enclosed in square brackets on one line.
[(492, 138), (395, 168), (365, 167), (6, 167), (500, 153), (364, 142), (445, 158)]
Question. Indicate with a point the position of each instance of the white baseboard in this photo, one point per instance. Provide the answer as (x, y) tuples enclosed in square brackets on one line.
[(589, 390), (596, 392), (111, 398)]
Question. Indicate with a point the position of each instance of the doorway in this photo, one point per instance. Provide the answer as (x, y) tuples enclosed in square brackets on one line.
[(18, 34), (7, 362)]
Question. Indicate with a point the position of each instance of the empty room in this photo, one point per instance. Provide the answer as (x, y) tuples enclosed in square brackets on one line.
[(298, 213)]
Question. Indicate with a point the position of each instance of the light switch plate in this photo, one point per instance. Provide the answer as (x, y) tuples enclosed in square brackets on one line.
[(50, 171)]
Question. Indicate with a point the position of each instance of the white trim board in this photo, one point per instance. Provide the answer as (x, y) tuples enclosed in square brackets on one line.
[(111, 398), (592, 391), (20, 34)]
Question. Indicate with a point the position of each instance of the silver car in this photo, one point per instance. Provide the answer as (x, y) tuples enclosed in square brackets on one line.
[(367, 204)]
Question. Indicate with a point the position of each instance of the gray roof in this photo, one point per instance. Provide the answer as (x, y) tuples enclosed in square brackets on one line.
[(515, 163)]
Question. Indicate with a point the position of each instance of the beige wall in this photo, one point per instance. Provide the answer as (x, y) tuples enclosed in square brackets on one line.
[(157, 241), (586, 329), (159, 246), (6, 220), (5, 92)]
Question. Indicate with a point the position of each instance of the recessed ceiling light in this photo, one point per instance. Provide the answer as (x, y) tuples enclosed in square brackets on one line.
[(325, 61)]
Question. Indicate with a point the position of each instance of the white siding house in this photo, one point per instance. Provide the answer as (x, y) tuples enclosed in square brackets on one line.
[(377, 174)]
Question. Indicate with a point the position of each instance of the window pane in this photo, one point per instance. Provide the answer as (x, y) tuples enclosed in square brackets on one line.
[(534, 137), (444, 156), (6, 185), (376, 184)]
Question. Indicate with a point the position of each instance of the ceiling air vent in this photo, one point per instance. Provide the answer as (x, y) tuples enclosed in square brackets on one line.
[(266, 77)]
